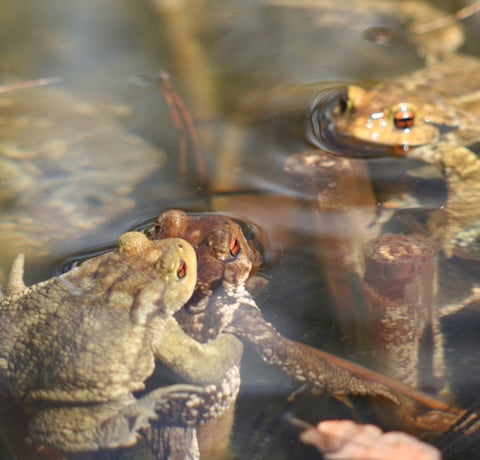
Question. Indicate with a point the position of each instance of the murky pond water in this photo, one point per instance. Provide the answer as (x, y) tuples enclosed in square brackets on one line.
[(96, 154)]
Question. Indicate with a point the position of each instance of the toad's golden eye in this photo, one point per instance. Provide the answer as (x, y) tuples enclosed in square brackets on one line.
[(234, 247), (404, 119), (182, 269)]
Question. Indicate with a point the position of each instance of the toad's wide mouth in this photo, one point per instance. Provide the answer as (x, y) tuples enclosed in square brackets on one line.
[(322, 131)]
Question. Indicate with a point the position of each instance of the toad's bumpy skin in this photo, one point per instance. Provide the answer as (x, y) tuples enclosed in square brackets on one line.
[(73, 349)]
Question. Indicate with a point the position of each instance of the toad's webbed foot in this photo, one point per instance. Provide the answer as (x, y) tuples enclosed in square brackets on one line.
[(173, 435), (118, 423), (199, 407)]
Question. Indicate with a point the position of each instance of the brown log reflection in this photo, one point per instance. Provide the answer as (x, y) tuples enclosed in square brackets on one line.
[(401, 319), (397, 301), (343, 210)]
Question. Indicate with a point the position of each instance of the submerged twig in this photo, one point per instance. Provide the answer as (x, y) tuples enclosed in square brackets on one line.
[(447, 20), (182, 121), (182, 117), (343, 207), (29, 84)]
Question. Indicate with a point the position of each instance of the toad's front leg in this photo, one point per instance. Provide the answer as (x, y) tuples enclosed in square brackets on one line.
[(461, 234), (199, 363), (458, 224)]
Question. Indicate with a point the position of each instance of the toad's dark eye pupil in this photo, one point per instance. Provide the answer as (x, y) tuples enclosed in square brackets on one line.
[(404, 119), (234, 247), (182, 269), (343, 103)]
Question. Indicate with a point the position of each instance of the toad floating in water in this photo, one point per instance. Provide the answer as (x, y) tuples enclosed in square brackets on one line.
[(222, 302), (75, 348), (432, 115)]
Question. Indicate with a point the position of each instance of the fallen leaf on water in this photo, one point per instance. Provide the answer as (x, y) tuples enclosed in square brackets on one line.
[(344, 439)]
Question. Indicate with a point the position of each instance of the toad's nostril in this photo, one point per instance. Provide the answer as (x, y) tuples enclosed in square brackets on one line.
[(182, 269)]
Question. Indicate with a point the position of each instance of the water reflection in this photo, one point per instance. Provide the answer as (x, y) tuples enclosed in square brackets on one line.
[(234, 64)]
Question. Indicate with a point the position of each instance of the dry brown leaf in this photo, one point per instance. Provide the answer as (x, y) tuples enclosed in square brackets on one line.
[(344, 439)]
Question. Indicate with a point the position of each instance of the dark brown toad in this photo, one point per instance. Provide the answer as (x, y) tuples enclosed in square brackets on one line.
[(222, 303)]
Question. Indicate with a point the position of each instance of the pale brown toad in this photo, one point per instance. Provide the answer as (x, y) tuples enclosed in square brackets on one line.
[(76, 350), (431, 115)]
